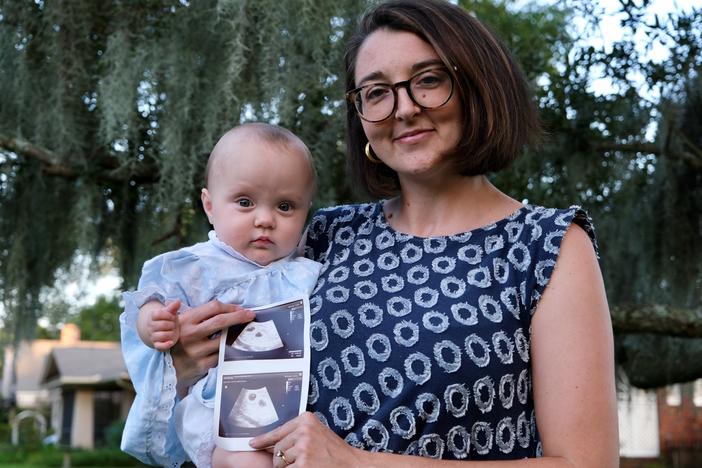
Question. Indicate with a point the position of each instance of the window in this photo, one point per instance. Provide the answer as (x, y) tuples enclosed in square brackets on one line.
[(697, 392), (674, 395)]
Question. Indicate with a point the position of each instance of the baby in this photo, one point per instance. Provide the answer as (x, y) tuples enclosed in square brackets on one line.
[(258, 190)]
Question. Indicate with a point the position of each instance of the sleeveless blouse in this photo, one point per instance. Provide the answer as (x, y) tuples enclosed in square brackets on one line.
[(422, 345)]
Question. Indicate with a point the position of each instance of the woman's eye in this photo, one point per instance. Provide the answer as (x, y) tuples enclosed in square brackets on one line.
[(428, 80), (244, 203), (375, 93), (285, 206)]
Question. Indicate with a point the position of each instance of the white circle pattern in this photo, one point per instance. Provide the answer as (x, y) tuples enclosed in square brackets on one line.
[(460, 449), (396, 419), (412, 339), (387, 375), (342, 323), (342, 412), (353, 352), (399, 307), (435, 321)]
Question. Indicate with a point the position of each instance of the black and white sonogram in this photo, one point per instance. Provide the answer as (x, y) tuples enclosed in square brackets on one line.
[(253, 408), (258, 336), (253, 404), (276, 333)]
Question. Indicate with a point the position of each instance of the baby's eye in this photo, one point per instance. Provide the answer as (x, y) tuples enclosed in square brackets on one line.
[(285, 206), (244, 202)]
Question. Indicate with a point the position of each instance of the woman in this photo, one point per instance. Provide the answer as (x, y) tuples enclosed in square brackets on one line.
[(450, 320)]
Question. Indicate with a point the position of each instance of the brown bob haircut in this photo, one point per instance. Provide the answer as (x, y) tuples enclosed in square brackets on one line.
[(500, 116)]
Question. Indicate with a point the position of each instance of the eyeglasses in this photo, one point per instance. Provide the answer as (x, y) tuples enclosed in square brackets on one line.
[(428, 89)]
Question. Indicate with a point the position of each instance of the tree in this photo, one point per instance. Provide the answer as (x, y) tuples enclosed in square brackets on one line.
[(599, 152), (110, 109), (99, 321)]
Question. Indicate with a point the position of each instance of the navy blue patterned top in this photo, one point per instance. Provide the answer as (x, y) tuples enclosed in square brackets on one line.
[(421, 345)]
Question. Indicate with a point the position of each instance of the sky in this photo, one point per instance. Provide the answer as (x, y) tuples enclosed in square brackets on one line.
[(610, 31)]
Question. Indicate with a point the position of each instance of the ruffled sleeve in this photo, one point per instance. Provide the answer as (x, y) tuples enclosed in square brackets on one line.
[(149, 433), (545, 229)]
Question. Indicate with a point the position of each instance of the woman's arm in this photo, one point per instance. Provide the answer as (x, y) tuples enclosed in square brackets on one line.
[(572, 351), (573, 379)]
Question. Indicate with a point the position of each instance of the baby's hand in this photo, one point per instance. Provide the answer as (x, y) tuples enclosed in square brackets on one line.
[(162, 327)]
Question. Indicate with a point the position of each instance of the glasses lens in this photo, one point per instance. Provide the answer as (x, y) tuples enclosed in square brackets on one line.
[(431, 88), (375, 101)]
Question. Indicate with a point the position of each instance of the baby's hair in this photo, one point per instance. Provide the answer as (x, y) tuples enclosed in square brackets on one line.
[(269, 133)]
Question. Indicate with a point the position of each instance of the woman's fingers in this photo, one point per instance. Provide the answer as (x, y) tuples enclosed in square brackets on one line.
[(306, 442), (201, 322), (271, 438)]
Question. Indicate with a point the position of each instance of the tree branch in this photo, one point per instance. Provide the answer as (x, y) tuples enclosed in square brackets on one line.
[(53, 164), (26, 149), (692, 158), (657, 319)]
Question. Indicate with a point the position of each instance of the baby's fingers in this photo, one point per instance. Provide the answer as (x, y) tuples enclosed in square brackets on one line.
[(164, 339), (164, 326), (163, 345)]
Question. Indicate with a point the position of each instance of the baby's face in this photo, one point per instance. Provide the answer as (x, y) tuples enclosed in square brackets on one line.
[(258, 197)]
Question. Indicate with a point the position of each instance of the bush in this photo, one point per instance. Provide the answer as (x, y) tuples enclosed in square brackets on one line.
[(99, 457), (11, 454), (53, 456), (113, 434)]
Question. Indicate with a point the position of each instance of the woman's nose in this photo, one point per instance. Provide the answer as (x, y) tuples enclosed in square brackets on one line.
[(405, 107)]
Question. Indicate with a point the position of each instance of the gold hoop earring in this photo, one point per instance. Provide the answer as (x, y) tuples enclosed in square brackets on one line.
[(369, 155)]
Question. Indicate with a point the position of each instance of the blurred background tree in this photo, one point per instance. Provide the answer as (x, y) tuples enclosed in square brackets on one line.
[(109, 110)]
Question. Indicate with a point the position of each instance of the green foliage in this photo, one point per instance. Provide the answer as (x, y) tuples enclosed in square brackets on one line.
[(113, 434), (137, 94), (54, 456), (99, 322)]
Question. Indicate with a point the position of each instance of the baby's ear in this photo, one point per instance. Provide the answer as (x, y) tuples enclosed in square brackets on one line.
[(206, 203)]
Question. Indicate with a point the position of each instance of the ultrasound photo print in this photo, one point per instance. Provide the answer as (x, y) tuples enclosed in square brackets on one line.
[(253, 404), (276, 333)]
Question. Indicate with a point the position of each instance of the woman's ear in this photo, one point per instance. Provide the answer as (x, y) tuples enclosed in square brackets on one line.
[(206, 203)]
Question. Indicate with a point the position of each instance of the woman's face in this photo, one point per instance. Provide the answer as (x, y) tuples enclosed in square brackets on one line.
[(412, 141)]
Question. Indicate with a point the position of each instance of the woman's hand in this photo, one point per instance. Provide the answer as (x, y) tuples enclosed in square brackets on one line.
[(306, 442), (196, 351)]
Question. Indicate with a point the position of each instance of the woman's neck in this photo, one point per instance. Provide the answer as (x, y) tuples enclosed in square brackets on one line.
[(460, 204)]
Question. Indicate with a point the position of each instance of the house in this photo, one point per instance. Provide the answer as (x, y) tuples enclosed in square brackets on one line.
[(84, 384), (662, 425)]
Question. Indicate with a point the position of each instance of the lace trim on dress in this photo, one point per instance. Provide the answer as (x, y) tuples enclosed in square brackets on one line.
[(203, 458), (164, 411)]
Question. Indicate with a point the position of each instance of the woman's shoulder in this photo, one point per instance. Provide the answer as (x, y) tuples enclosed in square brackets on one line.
[(546, 223), (326, 220)]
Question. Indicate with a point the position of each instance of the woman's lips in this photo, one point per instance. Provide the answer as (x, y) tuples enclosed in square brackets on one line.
[(413, 136)]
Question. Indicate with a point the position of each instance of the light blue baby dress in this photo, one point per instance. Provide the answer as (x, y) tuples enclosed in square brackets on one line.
[(161, 429)]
